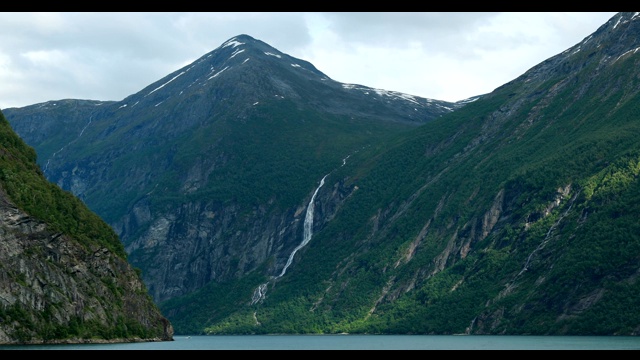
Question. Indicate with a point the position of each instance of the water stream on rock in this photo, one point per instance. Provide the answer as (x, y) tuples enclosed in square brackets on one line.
[(260, 291)]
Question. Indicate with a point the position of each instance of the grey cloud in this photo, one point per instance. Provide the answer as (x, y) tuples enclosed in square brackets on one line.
[(382, 28)]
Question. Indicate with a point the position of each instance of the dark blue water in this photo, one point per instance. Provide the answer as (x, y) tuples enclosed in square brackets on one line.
[(364, 342)]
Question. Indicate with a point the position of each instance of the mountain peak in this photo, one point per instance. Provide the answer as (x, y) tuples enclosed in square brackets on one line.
[(241, 37), (250, 71), (239, 53)]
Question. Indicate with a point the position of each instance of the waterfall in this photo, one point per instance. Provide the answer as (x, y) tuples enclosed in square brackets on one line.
[(46, 166), (260, 291), (308, 228)]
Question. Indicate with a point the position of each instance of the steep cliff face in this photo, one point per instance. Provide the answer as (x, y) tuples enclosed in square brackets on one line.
[(203, 242), (53, 286), (49, 284)]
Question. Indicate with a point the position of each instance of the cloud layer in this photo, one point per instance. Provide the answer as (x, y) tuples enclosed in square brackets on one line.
[(445, 56)]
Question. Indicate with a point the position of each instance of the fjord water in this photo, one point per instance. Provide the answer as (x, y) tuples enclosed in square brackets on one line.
[(364, 342)]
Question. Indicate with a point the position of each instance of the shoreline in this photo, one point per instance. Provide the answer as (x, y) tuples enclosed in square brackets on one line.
[(74, 341)]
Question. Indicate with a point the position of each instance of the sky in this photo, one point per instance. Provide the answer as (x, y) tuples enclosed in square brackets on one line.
[(446, 56)]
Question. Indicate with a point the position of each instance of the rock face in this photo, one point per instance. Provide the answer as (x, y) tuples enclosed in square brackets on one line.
[(54, 288), (196, 249), (52, 281)]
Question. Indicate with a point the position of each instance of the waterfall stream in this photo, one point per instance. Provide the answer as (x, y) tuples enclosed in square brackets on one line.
[(260, 291), (46, 166), (308, 228)]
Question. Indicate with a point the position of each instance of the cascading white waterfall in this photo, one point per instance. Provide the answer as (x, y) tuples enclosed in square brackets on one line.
[(259, 293), (308, 228)]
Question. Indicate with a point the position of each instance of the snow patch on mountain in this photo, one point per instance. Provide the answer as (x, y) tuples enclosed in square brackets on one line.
[(238, 51), (381, 92), (232, 42), (161, 86), (218, 73)]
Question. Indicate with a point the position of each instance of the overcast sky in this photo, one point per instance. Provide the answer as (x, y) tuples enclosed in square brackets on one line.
[(443, 56)]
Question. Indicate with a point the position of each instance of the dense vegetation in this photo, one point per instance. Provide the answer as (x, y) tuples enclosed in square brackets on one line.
[(271, 156), (48, 329), (25, 184)]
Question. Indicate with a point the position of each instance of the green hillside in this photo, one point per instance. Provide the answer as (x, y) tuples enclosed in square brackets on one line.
[(25, 184), (64, 275)]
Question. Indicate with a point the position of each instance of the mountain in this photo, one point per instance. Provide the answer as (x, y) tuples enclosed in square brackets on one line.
[(512, 213), (64, 275), (205, 174)]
